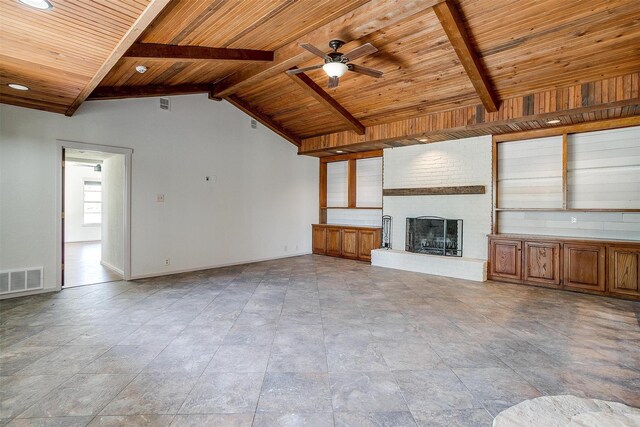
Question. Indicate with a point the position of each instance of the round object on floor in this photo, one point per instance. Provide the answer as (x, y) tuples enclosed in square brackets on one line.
[(560, 411)]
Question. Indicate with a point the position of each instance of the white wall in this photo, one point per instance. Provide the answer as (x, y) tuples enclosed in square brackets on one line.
[(442, 164), (74, 229), (113, 181), (263, 199)]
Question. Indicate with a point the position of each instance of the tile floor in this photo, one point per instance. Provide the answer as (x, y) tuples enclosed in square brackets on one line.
[(82, 265), (312, 341)]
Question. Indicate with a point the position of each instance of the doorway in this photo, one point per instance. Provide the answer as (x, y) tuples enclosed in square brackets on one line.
[(94, 215)]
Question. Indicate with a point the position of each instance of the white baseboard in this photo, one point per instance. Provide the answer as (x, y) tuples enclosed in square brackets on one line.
[(230, 264), (27, 293), (111, 267)]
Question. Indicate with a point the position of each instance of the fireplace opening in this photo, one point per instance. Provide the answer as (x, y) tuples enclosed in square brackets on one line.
[(434, 236)]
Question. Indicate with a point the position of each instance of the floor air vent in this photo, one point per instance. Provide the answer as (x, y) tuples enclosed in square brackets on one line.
[(20, 280)]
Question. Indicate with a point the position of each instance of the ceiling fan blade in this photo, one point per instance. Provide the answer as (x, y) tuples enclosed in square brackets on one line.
[(365, 70), (311, 48), (302, 70), (333, 82), (365, 49)]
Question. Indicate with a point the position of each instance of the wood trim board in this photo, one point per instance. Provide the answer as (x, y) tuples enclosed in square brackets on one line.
[(434, 191)]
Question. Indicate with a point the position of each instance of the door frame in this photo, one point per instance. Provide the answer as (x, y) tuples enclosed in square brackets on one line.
[(61, 145)]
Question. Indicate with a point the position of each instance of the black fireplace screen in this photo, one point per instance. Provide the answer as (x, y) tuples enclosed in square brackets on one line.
[(434, 236)]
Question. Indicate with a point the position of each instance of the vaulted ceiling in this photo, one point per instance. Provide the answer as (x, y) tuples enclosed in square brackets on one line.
[(522, 47)]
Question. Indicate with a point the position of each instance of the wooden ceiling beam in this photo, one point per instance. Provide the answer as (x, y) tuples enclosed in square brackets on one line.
[(313, 89), (453, 26), (264, 120), (122, 92), (368, 18), (577, 104), (196, 53), (145, 19)]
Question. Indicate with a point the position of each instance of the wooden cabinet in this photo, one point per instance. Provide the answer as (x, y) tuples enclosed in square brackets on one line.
[(624, 270), (505, 259), (350, 243), (584, 266), (319, 240), (345, 241), (542, 263), (334, 241), (368, 240)]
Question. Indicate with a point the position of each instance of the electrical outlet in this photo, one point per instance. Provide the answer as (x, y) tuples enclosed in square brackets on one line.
[(286, 248), (167, 261), (574, 220), (296, 247), (160, 198)]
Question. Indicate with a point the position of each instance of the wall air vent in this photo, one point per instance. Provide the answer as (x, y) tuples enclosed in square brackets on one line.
[(20, 280), (165, 104), (254, 124)]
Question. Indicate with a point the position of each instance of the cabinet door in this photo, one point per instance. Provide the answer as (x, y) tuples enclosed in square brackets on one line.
[(584, 266), (350, 243), (506, 259), (334, 241), (319, 240), (366, 243), (624, 270), (542, 263)]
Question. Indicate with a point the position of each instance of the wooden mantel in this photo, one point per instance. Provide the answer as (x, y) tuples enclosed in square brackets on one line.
[(434, 191)]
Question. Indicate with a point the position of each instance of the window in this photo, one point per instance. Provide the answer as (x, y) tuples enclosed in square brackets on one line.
[(92, 202)]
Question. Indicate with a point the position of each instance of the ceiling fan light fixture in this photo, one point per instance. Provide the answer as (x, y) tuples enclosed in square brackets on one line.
[(335, 69), (17, 86), (38, 4)]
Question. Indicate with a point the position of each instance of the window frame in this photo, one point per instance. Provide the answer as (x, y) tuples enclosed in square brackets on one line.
[(84, 201)]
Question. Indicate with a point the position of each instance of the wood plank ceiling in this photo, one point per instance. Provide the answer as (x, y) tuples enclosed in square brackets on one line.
[(57, 52), (524, 46)]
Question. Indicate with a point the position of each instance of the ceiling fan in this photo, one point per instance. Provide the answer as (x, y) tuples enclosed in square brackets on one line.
[(337, 63)]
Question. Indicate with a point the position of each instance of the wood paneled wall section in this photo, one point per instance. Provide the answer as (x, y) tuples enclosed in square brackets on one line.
[(599, 100)]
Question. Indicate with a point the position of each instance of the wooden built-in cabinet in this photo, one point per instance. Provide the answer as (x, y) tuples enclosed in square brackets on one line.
[(542, 263), (624, 269), (334, 241), (507, 260), (345, 241), (594, 266), (319, 240), (584, 266)]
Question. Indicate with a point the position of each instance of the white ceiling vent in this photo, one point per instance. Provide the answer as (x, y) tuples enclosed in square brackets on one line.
[(165, 104), (20, 280)]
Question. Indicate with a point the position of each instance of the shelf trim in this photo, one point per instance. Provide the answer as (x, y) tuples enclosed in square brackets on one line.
[(347, 208)]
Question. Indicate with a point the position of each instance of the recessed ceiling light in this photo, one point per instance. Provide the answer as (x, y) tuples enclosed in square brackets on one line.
[(339, 151), (16, 86), (38, 4), (553, 121), (423, 140), (141, 69)]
